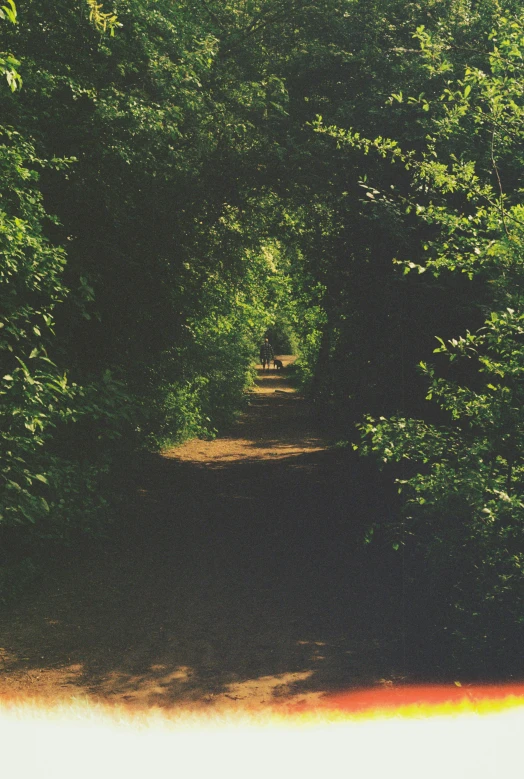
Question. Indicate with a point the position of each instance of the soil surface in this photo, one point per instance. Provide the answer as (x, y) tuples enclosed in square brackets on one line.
[(237, 574)]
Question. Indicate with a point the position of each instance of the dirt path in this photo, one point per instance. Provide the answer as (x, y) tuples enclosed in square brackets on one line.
[(238, 574)]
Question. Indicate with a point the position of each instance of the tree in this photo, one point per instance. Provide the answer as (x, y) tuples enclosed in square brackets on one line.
[(464, 480)]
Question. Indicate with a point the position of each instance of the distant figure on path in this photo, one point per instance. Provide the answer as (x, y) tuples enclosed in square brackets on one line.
[(266, 354)]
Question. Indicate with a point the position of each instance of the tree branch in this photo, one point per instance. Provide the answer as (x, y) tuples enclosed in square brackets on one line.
[(501, 192)]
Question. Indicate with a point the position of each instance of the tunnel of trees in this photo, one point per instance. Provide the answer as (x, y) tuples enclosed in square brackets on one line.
[(179, 178)]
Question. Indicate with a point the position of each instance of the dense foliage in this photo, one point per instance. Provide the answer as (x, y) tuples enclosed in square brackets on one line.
[(180, 178), (464, 502), (130, 316)]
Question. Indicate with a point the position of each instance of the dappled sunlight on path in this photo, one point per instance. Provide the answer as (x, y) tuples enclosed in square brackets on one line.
[(275, 426), (235, 576)]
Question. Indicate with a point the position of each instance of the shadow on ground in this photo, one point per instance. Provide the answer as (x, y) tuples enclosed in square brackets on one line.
[(243, 580)]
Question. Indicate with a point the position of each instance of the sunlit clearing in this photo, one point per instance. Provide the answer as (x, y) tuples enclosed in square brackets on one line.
[(434, 732)]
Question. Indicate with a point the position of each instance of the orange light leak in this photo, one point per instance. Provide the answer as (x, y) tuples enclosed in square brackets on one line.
[(413, 731)]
